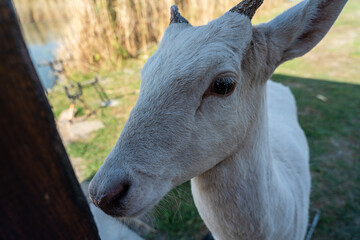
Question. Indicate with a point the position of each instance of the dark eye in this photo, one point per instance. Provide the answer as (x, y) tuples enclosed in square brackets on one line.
[(223, 86)]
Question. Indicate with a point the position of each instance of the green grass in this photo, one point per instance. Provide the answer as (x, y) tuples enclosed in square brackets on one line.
[(176, 216), (332, 127), (333, 132), (121, 86)]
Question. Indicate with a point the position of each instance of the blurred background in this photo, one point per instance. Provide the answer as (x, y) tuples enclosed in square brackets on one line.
[(89, 53)]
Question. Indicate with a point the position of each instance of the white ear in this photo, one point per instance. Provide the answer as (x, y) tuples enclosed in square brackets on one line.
[(299, 29)]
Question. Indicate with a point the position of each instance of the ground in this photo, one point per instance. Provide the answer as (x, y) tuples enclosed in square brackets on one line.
[(326, 85)]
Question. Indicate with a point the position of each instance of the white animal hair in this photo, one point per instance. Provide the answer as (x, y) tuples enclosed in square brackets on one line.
[(245, 152)]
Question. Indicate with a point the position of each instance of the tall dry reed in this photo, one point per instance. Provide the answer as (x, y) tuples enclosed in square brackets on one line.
[(42, 10), (103, 32)]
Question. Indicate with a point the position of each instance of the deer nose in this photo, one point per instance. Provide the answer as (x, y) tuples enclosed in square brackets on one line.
[(109, 198)]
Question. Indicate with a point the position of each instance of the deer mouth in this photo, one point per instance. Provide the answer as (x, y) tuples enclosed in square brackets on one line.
[(126, 207)]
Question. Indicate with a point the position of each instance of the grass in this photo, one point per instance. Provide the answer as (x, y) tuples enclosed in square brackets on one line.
[(176, 216), (326, 85), (122, 86), (332, 128)]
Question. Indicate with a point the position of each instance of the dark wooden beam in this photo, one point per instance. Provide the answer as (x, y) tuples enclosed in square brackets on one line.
[(40, 197)]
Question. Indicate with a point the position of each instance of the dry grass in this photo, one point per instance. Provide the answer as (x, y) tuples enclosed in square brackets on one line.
[(102, 32), (43, 10)]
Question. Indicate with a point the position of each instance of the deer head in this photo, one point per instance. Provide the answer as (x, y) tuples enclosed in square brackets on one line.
[(199, 94)]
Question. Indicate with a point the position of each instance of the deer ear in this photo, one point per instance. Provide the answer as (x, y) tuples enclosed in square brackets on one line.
[(299, 29)]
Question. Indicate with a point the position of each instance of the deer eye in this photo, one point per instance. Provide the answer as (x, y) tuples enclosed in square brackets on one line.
[(223, 86)]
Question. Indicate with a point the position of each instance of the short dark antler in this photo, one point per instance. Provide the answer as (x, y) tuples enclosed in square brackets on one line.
[(247, 7), (176, 16)]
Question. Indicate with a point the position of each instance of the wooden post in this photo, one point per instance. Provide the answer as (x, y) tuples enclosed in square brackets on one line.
[(40, 197)]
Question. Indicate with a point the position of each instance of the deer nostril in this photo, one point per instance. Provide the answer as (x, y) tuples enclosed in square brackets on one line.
[(110, 198)]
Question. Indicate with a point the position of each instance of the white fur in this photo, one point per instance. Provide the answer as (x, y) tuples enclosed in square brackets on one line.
[(110, 228), (269, 173), (245, 153)]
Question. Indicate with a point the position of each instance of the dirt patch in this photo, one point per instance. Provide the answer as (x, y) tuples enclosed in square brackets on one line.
[(76, 129)]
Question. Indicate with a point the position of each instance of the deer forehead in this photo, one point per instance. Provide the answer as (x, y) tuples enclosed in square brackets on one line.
[(189, 57)]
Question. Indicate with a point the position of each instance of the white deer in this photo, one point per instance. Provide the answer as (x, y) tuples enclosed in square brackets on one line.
[(206, 112)]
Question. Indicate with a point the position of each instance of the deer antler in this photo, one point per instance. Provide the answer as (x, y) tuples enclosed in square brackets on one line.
[(247, 7), (176, 16)]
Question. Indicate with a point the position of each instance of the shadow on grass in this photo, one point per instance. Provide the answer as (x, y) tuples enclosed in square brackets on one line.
[(329, 113)]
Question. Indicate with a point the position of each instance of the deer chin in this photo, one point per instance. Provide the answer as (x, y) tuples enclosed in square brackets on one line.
[(122, 211)]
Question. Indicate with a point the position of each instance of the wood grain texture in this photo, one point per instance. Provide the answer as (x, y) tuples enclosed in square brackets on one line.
[(40, 197)]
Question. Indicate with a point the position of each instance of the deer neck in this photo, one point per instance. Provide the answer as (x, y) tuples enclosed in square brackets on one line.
[(233, 197)]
